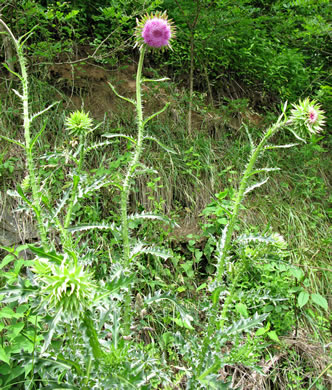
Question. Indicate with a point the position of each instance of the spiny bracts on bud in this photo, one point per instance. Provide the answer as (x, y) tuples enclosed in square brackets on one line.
[(78, 123), (155, 31), (308, 118), (65, 287)]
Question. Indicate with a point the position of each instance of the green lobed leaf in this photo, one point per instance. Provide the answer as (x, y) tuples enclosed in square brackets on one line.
[(48, 255), (243, 325)]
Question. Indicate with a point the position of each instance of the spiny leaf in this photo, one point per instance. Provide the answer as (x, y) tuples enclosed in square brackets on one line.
[(17, 93), (48, 255), (143, 169), (26, 200), (252, 145), (94, 186), (62, 202), (269, 147), (11, 71), (140, 248), (98, 145), (296, 135), (243, 325), (155, 80), (120, 280), (221, 243), (100, 226), (155, 114), (12, 141), (34, 116), (120, 96), (38, 135), (263, 170), (167, 149), (273, 239), (256, 185), (114, 135), (186, 318)]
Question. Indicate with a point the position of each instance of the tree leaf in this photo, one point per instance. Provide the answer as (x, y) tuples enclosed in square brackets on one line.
[(273, 336), (14, 330), (241, 308), (3, 356), (302, 299), (320, 301), (7, 312)]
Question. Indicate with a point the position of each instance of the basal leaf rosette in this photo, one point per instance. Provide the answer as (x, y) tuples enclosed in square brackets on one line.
[(65, 287), (307, 118), (155, 31)]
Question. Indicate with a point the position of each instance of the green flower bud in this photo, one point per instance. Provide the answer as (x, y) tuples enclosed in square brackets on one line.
[(78, 123)]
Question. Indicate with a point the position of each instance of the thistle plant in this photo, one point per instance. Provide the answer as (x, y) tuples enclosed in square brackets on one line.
[(80, 124), (154, 31), (65, 286), (306, 119), (29, 141)]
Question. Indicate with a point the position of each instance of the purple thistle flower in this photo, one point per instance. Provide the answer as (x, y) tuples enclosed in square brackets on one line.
[(155, 31), (312, 115), (307, 117)]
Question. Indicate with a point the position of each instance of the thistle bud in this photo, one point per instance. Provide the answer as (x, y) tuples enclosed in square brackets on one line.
[(78, 123)]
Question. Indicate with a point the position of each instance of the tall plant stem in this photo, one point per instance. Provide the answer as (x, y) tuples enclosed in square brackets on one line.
[(228, 237), (133, 162), (76, 180), (27, 136), (240, 194), (230, 228)]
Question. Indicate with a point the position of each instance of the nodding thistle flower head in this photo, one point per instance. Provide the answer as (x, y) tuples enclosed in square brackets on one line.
[(155, 31), (78, 123), (308, 118)]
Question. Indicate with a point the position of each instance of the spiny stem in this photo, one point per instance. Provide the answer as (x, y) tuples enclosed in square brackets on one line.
[(127, 183), (67, 237), (134, 161), (235, 213), (240, 194), (27, 136)]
